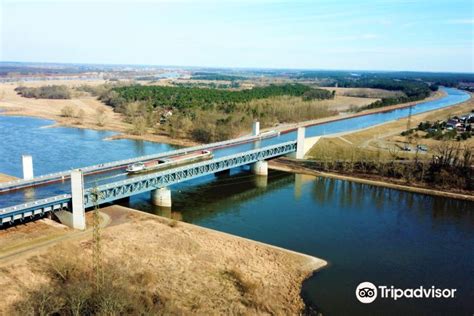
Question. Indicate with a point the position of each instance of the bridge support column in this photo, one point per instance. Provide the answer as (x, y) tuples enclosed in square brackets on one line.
[(27, 162), (76, 219), (300, 143), (77, 191), (161, 197), (260, 168), (255, 128)]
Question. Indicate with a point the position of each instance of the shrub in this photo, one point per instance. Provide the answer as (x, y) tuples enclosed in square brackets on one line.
[(72, 290), (45, 92), (67, 111)]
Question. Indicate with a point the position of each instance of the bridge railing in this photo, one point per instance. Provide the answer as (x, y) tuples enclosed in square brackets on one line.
[(8, 211), (124, 188), (57, 175), (117, 190)]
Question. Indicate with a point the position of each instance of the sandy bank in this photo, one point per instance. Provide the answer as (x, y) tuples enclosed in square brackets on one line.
[(13, 104), (6, 177), (189, 266)]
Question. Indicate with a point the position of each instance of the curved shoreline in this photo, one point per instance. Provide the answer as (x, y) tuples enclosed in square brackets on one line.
[(186, 255), (282, 166), (122, 128)]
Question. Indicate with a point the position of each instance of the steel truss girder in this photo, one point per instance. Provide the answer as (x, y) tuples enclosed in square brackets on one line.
[(122, 189)]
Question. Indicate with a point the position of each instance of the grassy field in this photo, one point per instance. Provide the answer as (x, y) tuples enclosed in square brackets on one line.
[(177, 267), (384, 140)]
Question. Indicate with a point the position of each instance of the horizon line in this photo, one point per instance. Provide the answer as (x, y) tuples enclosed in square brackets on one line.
[(236, 67)]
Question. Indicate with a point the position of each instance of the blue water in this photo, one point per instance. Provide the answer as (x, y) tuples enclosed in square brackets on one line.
[(367, 233), (58, 149)]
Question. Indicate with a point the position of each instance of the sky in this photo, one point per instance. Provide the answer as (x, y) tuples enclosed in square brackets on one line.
[(306, 34)]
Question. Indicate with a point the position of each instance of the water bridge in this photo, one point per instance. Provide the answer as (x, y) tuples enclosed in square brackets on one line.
[(100, 184), (69, 193)]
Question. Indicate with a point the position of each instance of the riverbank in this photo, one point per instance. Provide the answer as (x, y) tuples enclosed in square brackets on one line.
[(15, 105), (6, 178), (192, 269), (95, 114), (347, 115), (297, 166)]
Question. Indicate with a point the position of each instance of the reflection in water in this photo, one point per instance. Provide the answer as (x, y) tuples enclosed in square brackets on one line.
[(365, 232), (139, 147), (29, 194), (196, 201), (261, 181)]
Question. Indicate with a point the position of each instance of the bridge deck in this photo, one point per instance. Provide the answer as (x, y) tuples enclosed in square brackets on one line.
[(120, 189)]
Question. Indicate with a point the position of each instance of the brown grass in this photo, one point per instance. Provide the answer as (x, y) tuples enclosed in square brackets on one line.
[(187, 269), (385, 139), (365, 92), (85, 111)]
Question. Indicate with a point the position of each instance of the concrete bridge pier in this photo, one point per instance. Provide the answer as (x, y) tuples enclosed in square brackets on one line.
[(76, 219), (303, 144), (161, 197), (260, 168), (300, 150), (27, 162)]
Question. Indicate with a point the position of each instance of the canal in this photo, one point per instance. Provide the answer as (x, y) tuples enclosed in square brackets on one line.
[(367, 233)]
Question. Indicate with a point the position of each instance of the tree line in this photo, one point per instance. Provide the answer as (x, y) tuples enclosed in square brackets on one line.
[(182, 98), (412, 90), (207, 115), (215, 76), (449, 168)]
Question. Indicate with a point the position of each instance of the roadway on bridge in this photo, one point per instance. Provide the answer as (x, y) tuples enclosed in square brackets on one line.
[(453, 97)]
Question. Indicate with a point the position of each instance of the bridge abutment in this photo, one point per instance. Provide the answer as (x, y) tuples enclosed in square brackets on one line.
[(260, 168), (27, 162), (161, 197)]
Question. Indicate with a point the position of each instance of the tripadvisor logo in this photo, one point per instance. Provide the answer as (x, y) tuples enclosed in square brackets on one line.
[(367, 292)]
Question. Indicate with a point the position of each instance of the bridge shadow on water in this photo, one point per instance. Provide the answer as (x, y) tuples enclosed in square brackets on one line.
[(210, 195)]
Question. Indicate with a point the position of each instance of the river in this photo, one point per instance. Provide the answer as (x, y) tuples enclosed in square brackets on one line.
[(367, 233)]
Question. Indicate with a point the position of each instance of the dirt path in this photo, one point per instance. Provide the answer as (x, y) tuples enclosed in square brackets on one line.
[(34, 237)]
